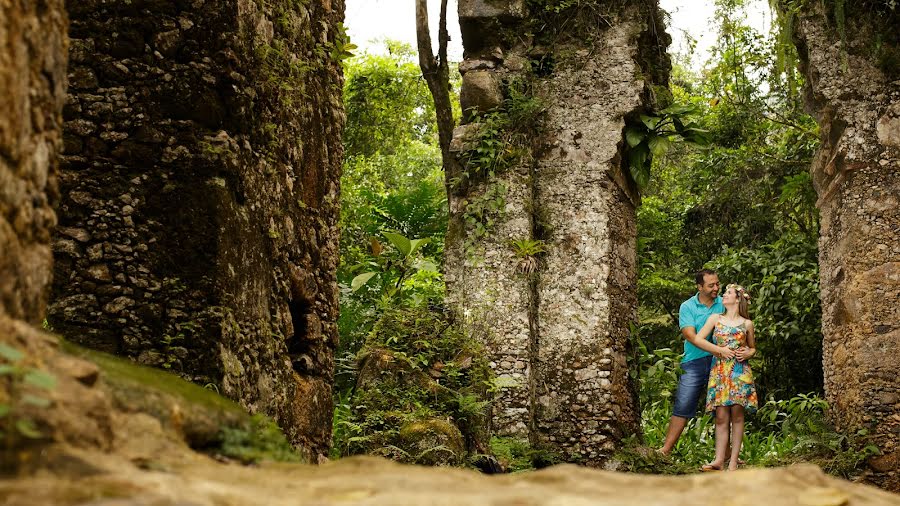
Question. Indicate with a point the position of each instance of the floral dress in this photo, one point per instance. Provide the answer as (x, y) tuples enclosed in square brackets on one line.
[(730, 381)]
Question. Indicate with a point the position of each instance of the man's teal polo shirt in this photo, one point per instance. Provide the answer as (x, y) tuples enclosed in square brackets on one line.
[(694, 313)]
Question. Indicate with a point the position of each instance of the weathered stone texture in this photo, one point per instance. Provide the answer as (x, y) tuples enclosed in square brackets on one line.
[(857, 177), (587, 292), (200, 191), (560, 336), (32, 91)]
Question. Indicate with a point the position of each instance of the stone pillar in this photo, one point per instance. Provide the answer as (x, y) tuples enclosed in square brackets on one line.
[(32, 91), (200, 183), (558, 338), (588, 291), (857, 176)]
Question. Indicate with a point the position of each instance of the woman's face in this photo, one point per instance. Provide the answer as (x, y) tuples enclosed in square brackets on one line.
[(730, 296)]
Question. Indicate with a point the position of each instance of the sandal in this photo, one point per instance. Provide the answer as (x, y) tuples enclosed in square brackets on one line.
[(706, 468)]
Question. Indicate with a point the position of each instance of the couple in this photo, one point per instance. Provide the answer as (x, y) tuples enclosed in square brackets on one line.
[(718, 369)]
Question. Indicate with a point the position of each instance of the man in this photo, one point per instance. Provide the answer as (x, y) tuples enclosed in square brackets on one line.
[(697, 354)]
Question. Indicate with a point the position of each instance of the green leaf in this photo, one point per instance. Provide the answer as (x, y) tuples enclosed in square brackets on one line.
[(35, 400), (677, 109), (640, 169), (40, 379), (359, 281), (10, 353), (400, 242), (658, 144), (415, 244), (633, 136), (650, 121), (26, 428), (4, 410), (6, 369)]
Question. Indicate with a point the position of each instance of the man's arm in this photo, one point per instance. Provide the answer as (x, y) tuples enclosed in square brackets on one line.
[(694, 338)]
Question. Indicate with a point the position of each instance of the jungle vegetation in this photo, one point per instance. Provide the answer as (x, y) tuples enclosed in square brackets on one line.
[(739, 200)]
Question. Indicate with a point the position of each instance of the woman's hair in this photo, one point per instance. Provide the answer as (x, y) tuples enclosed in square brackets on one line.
[(743, 299)]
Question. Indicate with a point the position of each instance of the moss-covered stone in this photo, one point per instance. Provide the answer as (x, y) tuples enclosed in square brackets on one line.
[(432, 442)]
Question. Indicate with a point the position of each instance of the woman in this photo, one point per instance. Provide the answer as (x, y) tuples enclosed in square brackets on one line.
[(731, 391)]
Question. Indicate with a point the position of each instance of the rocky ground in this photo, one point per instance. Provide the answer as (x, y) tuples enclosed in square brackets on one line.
[(116, 435)]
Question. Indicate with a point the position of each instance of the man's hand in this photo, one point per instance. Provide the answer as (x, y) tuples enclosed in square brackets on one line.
[(725, 353), (744, 353)]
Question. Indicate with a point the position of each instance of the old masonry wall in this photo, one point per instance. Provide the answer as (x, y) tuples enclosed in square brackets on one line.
[(857, 177), (200, 185), (558, 338)]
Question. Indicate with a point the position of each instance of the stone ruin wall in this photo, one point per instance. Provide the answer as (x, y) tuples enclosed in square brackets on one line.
[(558, 340), (32, 92), (200, 186), (857, 177)]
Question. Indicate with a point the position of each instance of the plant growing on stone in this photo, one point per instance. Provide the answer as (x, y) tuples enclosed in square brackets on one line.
[(528, 251), (25, 386), (652, 135)]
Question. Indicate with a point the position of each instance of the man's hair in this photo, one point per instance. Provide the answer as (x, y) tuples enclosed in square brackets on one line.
[(702, 273)]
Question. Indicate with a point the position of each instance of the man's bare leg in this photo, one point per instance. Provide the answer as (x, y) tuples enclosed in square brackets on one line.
[(676, 426)]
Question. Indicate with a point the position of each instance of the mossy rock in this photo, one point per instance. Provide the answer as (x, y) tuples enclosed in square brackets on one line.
[(378, 365), (432, 442), (203, 418)]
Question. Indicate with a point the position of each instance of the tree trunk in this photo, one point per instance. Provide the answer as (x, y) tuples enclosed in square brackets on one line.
[(436, 72)]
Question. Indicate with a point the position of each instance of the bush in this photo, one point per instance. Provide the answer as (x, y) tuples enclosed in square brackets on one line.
[(416, 367)]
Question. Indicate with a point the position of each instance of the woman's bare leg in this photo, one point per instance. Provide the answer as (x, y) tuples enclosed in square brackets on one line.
[(737, 434), (722, 419)]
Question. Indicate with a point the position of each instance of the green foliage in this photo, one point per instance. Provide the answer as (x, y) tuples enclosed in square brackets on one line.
[(528, 251), (780, 433), (436, 371), (745, 200), (341, 48), (883, 46), (501, 140), (782, 278), (392, 270), (392, 182), (517, 455), (502, 136), (653, 134), (387, 102), (261, 440), (26, 387)]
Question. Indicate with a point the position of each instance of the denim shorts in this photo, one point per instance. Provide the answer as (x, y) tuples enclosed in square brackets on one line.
[(691, 386)]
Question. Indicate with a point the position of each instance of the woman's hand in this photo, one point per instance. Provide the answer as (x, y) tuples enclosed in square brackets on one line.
[(725, 353), (744, 353)]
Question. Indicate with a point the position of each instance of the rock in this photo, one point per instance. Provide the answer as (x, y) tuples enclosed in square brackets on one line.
[(491, 9), (79, 234), (888, 127), (82, 370), (475, 64), (464, 137), (480, 92), (433, 442), (100, 272)]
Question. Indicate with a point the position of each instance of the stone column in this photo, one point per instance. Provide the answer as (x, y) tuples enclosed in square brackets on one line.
[(200, 191), (33, 49), (588, 291), (558, 339), (857, 176)]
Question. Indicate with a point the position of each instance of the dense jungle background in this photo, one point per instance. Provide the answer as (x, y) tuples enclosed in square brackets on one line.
[(737, 198)]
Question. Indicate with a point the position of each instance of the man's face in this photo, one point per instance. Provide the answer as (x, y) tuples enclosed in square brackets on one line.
[(710, 286)]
